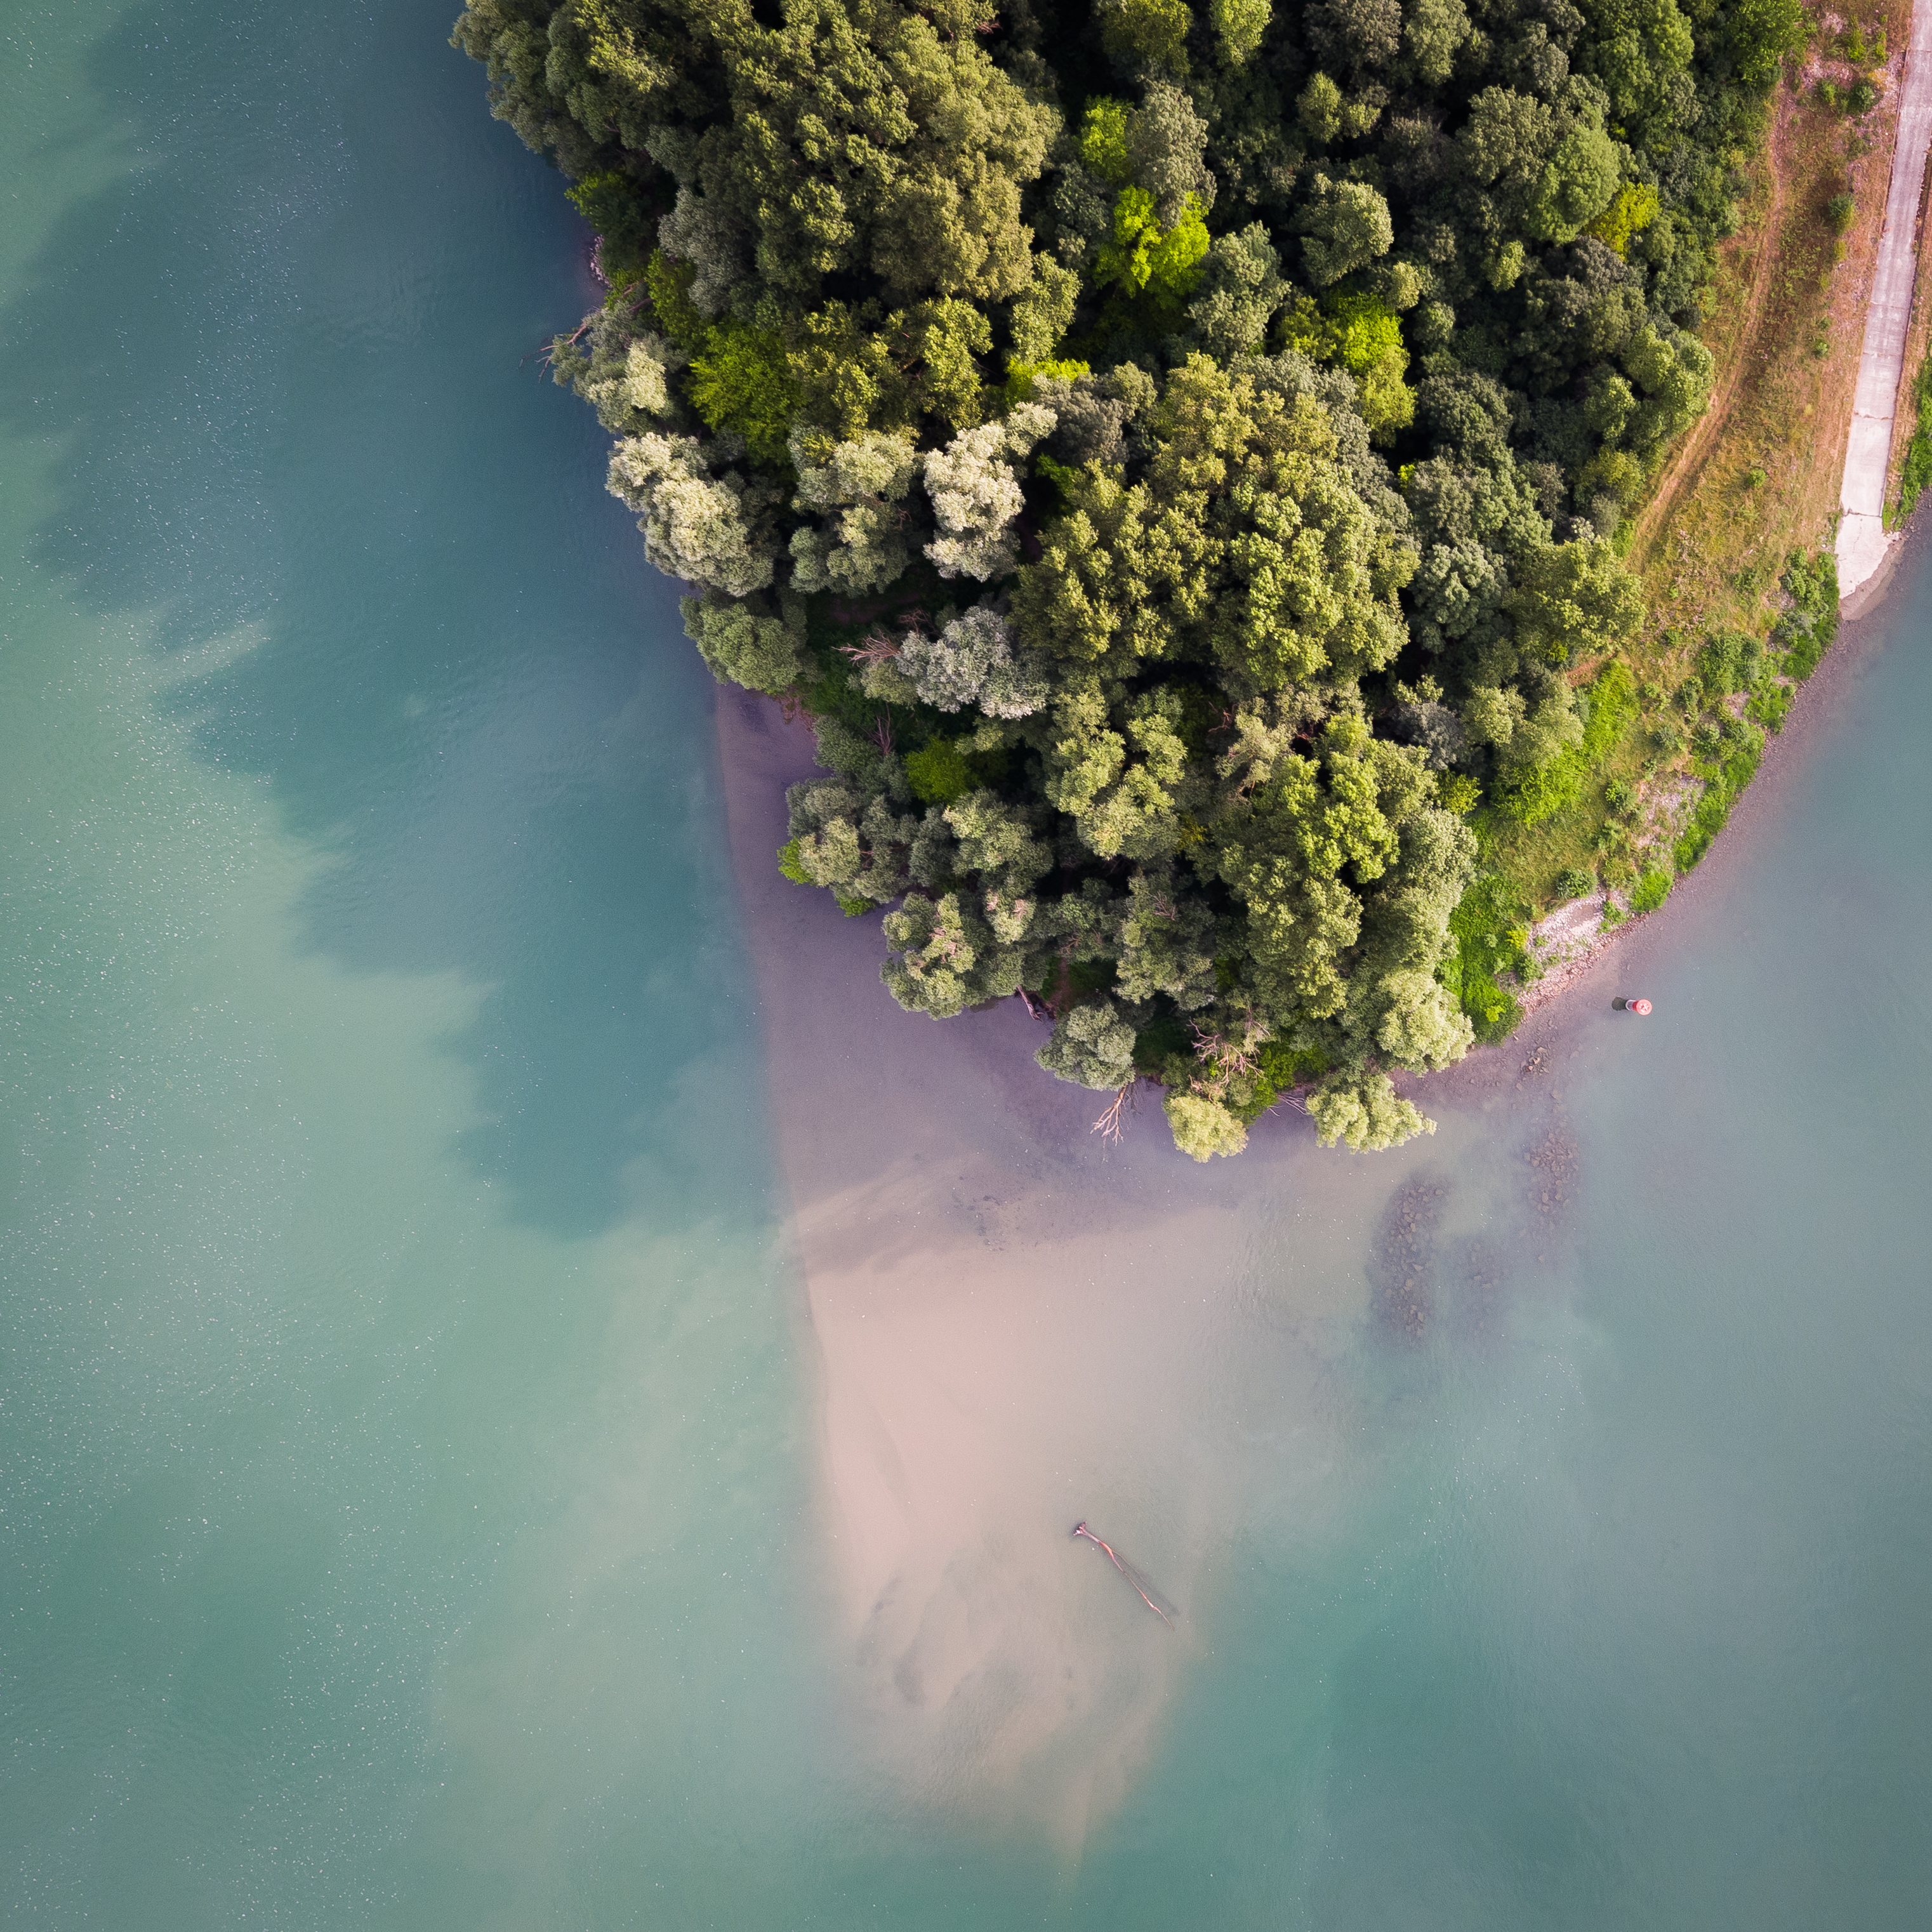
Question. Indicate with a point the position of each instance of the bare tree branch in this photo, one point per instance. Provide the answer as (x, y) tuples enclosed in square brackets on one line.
[(1111, 1125)]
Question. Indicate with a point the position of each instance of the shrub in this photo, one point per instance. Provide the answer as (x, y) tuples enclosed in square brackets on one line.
[(1652, 889), (1720, 794), (1806, 629), (1574, 881), (1095, 976), (1729, 661), (939, 772), (1863, 98), (1283, 1067), (1164, 1036), (1546, 790), (1489, 940), (1493, 1013), (1771, 704)]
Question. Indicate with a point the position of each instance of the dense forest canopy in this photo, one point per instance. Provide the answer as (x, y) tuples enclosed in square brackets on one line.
[(1176, 453)]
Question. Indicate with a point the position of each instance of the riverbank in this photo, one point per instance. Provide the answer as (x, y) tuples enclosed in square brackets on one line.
[(1756, 483), (1012, 1325), (1009, 1325), (827, 1019), (1608, 966)]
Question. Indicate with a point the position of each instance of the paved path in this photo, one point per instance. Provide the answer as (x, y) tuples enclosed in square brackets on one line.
[(1862, 541)]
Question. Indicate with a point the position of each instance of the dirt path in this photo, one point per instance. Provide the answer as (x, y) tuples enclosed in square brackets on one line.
[(1862, 541), (1682, 468)]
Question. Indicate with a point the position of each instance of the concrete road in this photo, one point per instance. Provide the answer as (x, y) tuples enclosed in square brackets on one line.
[(1862, 541)]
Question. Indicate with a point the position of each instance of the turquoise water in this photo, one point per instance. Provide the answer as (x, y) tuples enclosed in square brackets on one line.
[(409, 1426)]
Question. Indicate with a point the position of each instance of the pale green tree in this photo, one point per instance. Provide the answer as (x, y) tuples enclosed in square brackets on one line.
[(1092, 1045), (971, 661), (1364, 1111), (714, 529), (624, 375), (1203, 1127), (858, 545), (1240, 27)]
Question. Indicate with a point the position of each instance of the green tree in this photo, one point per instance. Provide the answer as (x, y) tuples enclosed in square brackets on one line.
[(1365, 1113), (1578, 182), (1202, 1127), (947, 957), (1247, 543), (1574, 600), (1093, 1045), (742, 383), (1240, 27), (1152, 32), (1128, 656), (1432, 32), (1344, 226), (744, 644)]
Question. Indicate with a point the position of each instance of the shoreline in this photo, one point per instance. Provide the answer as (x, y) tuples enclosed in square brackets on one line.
[(1008, 1325), (1553, 1018), (760, 754)]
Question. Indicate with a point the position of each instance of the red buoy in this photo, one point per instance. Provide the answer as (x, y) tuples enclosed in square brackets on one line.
[(1639, 1007)]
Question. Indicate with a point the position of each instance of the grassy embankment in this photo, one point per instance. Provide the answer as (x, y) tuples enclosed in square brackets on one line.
[(1751, 489)]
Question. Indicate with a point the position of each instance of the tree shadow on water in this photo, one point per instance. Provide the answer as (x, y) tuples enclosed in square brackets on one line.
[(279, 357)]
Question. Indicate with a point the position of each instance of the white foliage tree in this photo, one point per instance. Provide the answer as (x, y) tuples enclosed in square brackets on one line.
[(976, 492), (623, 376), (972, 661), (858, 546), (696, 526)]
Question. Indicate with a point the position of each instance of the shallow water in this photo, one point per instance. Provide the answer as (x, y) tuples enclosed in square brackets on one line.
[(481, 1447)]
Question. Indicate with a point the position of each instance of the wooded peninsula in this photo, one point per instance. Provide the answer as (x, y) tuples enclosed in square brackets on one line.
[(1182, 460)]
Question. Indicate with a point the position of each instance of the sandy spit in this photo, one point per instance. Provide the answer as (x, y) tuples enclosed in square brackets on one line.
[(1013, 1327), (1010, 1326)]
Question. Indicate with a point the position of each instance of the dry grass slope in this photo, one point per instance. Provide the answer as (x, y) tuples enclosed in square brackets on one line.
[(1759, 476)]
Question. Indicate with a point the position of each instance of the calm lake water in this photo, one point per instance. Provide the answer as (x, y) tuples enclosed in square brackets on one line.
[(409, 1433)]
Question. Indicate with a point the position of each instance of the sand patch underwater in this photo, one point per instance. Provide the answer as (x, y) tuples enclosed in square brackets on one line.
[(1014, 1327)]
